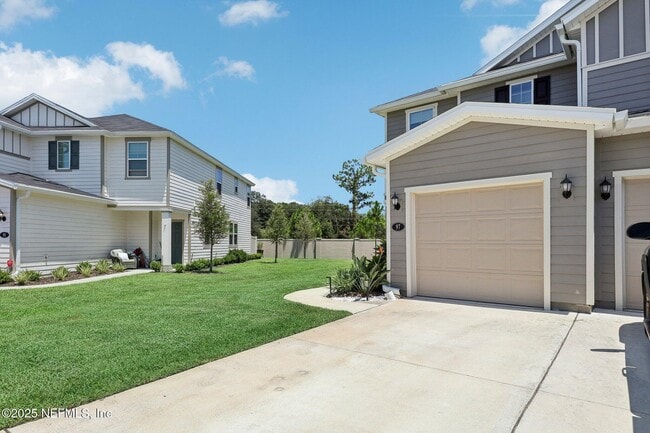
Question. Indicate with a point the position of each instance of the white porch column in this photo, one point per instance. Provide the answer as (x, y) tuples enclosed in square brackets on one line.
[(166, 241)]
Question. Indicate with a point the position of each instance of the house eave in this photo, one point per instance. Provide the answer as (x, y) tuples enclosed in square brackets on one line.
[(541, 115), (22, 187)]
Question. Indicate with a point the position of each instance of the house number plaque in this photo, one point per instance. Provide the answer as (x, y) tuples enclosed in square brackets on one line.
[(4, 235), (398, 227)]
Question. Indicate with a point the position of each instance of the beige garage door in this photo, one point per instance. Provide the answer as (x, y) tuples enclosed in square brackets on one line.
[(483, 244), (637, 209)]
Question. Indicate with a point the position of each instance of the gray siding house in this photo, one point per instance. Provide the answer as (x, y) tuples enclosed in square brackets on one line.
[(477, 168), (73, 188)]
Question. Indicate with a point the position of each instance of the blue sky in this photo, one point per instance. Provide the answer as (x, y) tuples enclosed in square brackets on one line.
[(279, 90)]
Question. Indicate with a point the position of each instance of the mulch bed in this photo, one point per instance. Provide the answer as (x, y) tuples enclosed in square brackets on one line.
[(50, 279)]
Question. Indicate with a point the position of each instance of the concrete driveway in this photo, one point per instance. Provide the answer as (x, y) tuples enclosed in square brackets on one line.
[(409, 366)]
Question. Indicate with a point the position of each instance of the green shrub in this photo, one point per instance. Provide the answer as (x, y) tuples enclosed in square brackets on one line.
[(118, 267), (373, 274), (346, 281), (218, 262), (179, 268), (61, 273), (103, 266), (5, 277), (85, 269), (197, 265), (27, 276), (155, 266), (235, 256), (256, 256)]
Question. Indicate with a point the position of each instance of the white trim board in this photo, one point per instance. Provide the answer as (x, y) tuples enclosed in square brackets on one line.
[(410, 193), (619, 230)]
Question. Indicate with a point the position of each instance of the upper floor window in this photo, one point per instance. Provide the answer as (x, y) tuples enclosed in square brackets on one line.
[(63, 152), (137, 159), (521, 93), (417, 116), (234, 234), (219, 179), (529, 90), (236, 186)]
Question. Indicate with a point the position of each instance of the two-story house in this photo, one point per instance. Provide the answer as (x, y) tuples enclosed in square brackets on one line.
[(72, 188), (516, 184)]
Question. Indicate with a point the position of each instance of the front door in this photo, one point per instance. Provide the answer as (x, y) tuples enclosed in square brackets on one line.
[(177, 242)]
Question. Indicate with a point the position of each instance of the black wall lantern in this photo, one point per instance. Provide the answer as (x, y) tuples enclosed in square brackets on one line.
[(566, 186), (395, 200), (605, 189)]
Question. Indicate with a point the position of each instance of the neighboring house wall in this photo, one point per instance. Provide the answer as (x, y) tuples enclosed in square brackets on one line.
[(612, 154), (151, 191), (396, 120), (563, 87), (67, 231), (485, 151), (623, 86), (86, 178)]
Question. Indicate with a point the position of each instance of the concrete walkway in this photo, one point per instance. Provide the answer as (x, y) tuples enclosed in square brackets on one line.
[(126, 273), (408, 366), (318, 298)]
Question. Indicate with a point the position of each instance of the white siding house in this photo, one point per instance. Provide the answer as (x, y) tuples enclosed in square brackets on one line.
[(73, 188)]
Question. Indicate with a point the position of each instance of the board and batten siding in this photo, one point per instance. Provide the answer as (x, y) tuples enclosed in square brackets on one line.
[(14, 143), (86, 178), (624, 86), (187, 171), (564, 89), (67, 231), (485, 151), (627, 152), (396, 120), (151, 191), (40, 115)]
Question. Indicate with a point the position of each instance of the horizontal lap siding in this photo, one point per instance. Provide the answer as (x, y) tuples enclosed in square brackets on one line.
[(151, 191), (12, 164), (67, 231), (624, 87), (613, 154), (86, 178), (5, 226), (396, 120), (484, 151)]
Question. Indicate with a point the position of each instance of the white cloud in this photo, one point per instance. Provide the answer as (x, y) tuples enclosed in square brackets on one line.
[(161, 65), (277, 190), (468, 5), (252, 11), (89, 86), (13, 12), (499, 37), (235, 68)]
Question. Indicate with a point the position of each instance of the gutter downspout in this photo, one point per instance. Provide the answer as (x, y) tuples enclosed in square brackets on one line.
[(17, 217), (561, 32)]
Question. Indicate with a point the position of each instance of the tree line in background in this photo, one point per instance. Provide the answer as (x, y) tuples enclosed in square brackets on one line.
[(324, 217)]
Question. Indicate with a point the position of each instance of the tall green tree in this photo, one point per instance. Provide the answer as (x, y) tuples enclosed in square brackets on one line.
[(277, 228), (212, 220), (334, 218), (372, 225), (305, 228), (261, 208), (354, 177)]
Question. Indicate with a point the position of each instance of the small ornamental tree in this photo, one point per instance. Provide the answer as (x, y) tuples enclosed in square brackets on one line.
[(212, 220), (277, 227), (353, 177), (373, 224), (305, 228)]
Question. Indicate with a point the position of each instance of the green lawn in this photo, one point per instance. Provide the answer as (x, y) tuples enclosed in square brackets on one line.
[(63, 346)]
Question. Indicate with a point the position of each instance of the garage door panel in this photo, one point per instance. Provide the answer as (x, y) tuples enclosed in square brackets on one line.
[(429, 205), (489, 248), (637, 209)]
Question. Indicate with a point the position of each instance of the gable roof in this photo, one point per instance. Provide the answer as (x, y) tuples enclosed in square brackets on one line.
[(125, 122), (541, 115), (34, 99), (27, 182)]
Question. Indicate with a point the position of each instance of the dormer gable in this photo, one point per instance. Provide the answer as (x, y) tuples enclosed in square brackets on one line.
[(35, 111)]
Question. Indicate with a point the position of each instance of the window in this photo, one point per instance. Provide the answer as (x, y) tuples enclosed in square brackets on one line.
[(236, 186), (219, 179), (521, 93), (233, 235), (248, 199), (63, 152), (137, 159), (418, 116)]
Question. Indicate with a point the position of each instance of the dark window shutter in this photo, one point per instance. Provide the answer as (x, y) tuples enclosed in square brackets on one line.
[(74, 155), (51, 156), (543, 90), (502, 94)]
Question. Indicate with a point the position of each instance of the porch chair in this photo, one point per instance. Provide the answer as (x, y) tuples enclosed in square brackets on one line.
[(121, 256)]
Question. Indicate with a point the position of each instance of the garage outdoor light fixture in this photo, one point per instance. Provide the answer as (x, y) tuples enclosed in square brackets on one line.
[(605, 189), (566, 186), (395, 200)]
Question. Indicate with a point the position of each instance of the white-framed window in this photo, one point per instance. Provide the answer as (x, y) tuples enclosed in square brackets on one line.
[(234, 234), (521, 91), (417, 116), (63, 153), (137, 159), (236, 186), (219, 179)]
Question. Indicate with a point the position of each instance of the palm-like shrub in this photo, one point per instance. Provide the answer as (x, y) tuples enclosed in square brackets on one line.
[(61, 273), (103, 266), (85, 269)]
